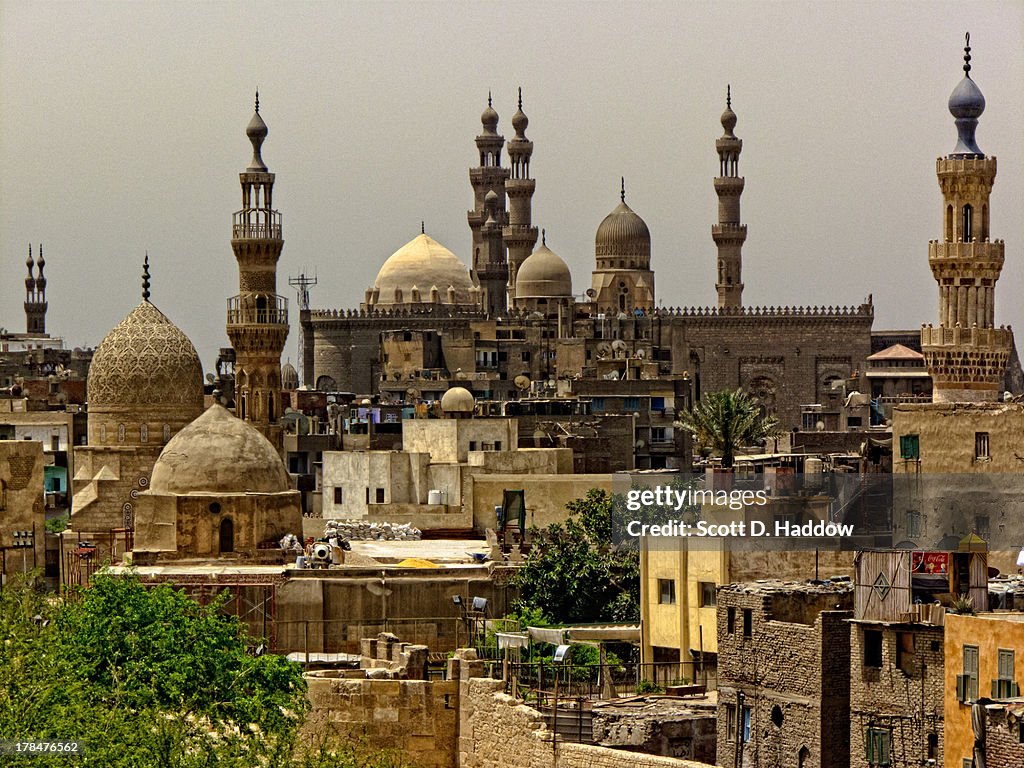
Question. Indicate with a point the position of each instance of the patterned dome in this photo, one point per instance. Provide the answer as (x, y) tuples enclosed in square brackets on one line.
[(219, 453), (145, 361)]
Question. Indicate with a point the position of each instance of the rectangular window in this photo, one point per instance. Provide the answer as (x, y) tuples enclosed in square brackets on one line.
[(748, 622), (913, 523), (730, 721), (910, 447), (667, 591), (597, 405), (905, 652), (879, 746), (707, 594), (970, 674), (746, 725), (472, 445), (981, 446), (380, 495), (631, 404), (730, 620), (497, 445), (967, 762), (657, 403), (337, 494), (872, 648), (1004, 686)]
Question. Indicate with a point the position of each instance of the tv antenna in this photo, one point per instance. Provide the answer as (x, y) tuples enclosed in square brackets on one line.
[(302, 284)]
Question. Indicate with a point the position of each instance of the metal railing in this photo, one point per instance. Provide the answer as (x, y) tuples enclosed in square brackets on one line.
[(540, 681), (260, 309)]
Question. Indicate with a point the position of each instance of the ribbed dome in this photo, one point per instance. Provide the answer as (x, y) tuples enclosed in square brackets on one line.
[(422, 261), (623, 233), (218, 453), (145, 361), (289, 376), (458, 400), (543, 275)]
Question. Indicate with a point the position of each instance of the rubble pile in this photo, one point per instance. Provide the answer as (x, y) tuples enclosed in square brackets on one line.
[(357, 530)]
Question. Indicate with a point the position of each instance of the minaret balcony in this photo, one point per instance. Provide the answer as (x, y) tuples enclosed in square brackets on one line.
[(257, 309), (256, 224)]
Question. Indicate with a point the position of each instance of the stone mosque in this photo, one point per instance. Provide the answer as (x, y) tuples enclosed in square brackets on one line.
[(187, 480), (428, 321)]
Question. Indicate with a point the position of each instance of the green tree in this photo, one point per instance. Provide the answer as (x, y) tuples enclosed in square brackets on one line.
[(726, 421), (575, 574), (148, 678)]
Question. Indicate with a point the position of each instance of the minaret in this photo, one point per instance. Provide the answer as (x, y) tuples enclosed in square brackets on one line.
[(35, 296), (520, 234), (488, 218), (728, 233), (966, 354), (257, 316)]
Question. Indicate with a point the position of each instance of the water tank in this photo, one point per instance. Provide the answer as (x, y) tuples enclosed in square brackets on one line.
[(434, 497), (813, 466)]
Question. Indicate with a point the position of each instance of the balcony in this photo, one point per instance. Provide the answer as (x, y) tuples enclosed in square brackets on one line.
[(258, 309), (256, 224)]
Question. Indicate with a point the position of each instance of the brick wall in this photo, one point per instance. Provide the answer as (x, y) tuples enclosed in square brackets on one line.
[(793, 675), (910, 703), (1004, 738)]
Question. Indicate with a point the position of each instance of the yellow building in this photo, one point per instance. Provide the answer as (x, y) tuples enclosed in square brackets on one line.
[(984, 659)]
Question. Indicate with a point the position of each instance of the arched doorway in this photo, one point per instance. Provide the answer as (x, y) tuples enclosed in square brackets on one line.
[(227, 535)]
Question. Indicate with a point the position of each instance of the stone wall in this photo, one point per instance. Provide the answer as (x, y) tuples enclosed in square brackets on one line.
[(416, 717), (909, 703), (497, 731), (1004, 735)]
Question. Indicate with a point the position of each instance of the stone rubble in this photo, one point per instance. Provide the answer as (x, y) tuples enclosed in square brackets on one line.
[(359, 530)]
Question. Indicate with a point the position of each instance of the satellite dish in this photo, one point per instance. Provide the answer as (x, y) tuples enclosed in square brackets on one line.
[(210, 378), (640, 443), (820, 426), (591, 293), (641, 353), (522, 382), (619, 348), (604, 349)]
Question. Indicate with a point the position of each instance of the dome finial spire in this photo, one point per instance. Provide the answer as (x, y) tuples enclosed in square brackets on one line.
[(622, 192), (967, 54), (520, 97), (145, 278), (257, 101), (728, 96), (544, 237), (488, 97), (423, 227)]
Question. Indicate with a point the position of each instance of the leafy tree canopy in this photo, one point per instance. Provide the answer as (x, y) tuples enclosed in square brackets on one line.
[(147, 678), (575, 574)]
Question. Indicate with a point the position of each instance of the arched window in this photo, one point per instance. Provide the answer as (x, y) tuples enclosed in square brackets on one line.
[(968, 223), (144, 433), (227, 535), (984, 223), (949, 223), (120, 433)]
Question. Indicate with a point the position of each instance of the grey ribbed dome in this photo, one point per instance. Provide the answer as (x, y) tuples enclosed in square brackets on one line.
[(622, 233)]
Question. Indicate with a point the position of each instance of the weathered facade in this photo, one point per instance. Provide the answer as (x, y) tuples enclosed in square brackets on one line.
[(783, 674)]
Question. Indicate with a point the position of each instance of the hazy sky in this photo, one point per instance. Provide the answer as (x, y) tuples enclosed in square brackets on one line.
[(122, 130)]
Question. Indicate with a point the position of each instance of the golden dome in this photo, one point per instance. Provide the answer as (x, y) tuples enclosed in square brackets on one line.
[(145, 362), (623, 234), (458, 400), (543, 275), (219, 454), (422, 261)]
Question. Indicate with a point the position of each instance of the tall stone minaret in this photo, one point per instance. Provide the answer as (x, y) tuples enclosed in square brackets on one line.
[(257, 316), (966, 354), (35, 296), (488, 217), (728, 233), (520, 234)]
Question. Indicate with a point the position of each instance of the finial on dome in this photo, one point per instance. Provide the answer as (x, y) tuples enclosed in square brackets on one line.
[(257, 101), (967, 54), (257, 132), (544, 237), (145, 278), (728, 96), (29, 262), (520, 97), (966, 104), (622, 192), (488, 97), (41, 262), (423, 227)]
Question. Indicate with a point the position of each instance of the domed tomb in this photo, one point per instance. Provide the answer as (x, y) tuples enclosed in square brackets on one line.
[(543, 275)]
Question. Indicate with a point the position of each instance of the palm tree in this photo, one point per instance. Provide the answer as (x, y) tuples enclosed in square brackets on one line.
[(726, 421)]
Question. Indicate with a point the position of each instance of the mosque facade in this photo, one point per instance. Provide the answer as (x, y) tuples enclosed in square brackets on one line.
[(514, 316)]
